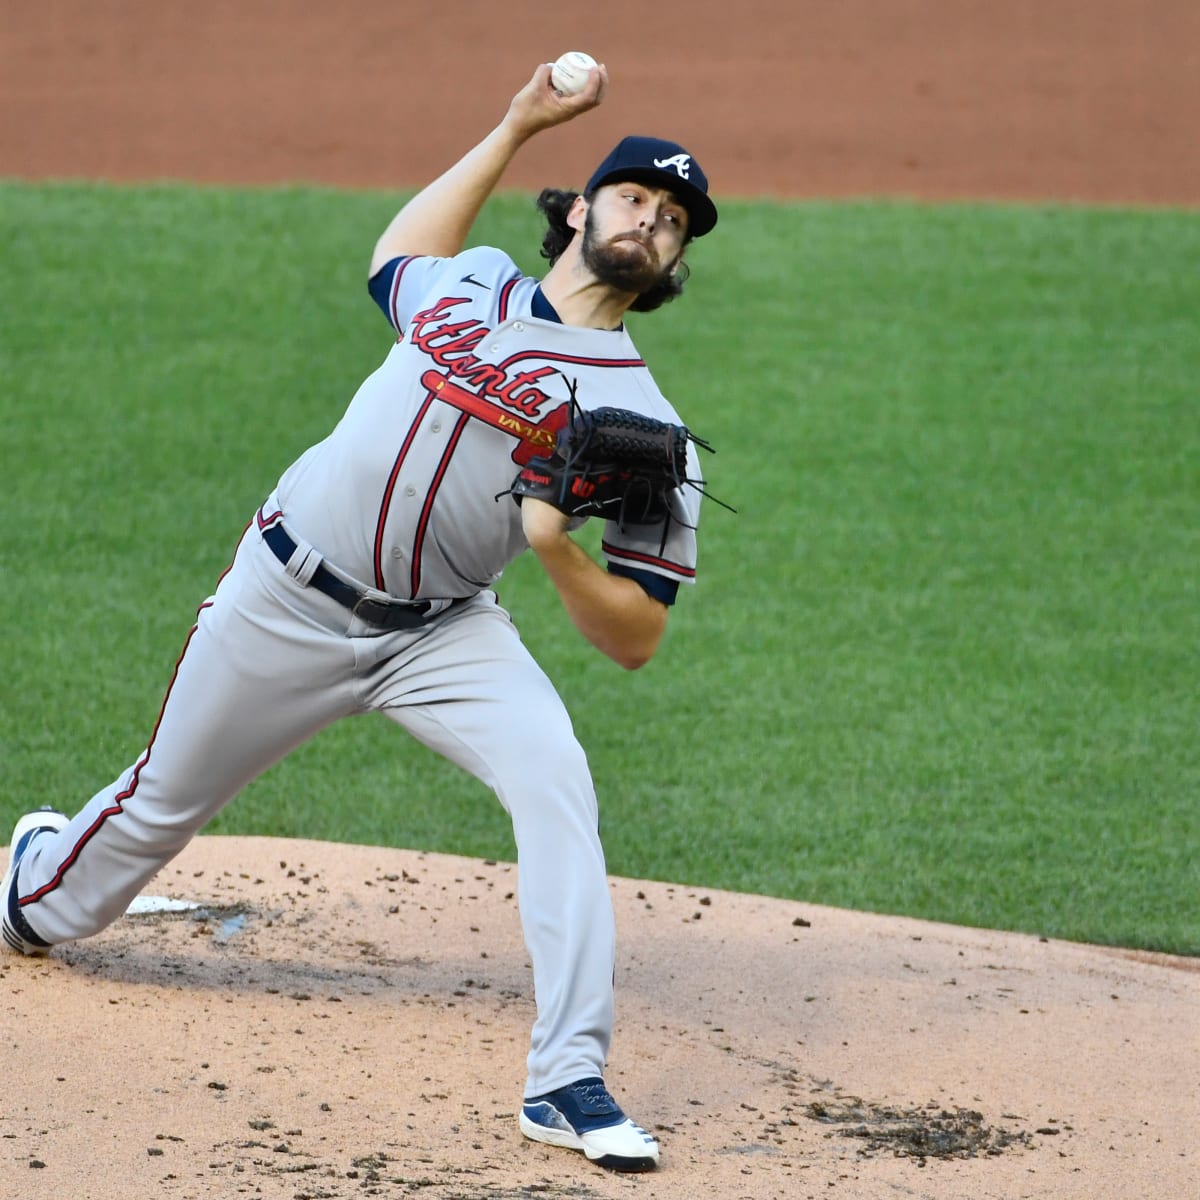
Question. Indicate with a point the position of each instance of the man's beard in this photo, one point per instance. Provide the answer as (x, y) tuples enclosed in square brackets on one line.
[(618, 263)]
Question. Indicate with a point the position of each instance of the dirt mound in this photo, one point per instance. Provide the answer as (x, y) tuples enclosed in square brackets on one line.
[(317, 1020)]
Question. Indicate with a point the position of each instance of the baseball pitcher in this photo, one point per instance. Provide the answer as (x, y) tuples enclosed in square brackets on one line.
[(506, 412)]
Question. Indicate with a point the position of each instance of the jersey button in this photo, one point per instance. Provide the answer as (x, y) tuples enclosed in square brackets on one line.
[(397, 552), (436, 427), (519, 326), (410, 490)]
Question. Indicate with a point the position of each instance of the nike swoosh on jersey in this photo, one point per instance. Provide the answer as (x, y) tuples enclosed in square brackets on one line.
[(469, 278)]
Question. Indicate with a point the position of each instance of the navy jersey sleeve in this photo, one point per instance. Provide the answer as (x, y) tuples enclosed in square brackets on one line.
[(406, 284), (380, 285), (658, 586)]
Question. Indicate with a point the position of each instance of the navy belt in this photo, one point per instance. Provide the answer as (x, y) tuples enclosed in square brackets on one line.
[(386, 614)]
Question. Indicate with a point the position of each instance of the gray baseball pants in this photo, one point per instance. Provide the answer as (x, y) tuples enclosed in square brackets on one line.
[(269, 663)]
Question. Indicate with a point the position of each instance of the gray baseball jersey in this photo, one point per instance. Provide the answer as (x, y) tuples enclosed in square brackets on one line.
[(403, 493)]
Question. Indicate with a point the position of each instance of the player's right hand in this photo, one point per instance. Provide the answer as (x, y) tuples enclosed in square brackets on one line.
[(538, 106)]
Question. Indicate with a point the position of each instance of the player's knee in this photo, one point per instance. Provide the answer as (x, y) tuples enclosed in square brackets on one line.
[(556, 759), (548, 769)]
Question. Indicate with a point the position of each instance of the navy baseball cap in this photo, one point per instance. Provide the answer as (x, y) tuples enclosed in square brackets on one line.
[(661, 164)]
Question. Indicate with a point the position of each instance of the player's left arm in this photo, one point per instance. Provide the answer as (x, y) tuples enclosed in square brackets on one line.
[(613, 612)]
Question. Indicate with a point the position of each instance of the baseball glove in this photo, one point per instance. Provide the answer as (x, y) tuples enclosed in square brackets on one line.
[(611, 463)]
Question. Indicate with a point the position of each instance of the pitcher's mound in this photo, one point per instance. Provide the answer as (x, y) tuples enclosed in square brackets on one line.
[(300, 1019)]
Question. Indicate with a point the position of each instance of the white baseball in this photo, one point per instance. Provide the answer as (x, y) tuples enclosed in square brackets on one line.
[(570, 73)]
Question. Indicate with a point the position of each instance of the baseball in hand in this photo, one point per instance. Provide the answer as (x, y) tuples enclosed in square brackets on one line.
[(570, 72)]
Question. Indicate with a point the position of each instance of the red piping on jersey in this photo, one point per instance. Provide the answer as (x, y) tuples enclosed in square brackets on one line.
[(575, 359), (649, 560), (390, 489), (117, 806), (505, 295), (427, 507)]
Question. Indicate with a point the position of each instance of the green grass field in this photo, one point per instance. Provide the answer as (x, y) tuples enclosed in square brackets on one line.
[(944, 661)]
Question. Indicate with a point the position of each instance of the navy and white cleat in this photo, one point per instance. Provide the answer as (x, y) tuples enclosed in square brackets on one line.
[(15, 931), (583, 1116)]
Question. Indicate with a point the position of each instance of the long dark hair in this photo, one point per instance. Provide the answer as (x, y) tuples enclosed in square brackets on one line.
[(554, 204)]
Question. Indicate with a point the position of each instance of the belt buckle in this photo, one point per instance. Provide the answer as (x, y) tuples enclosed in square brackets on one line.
[(390, 616)]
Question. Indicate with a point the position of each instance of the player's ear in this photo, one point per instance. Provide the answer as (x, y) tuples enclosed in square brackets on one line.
[(577, 214)]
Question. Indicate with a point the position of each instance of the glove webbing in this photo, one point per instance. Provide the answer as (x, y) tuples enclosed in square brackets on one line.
[(634, 440)]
